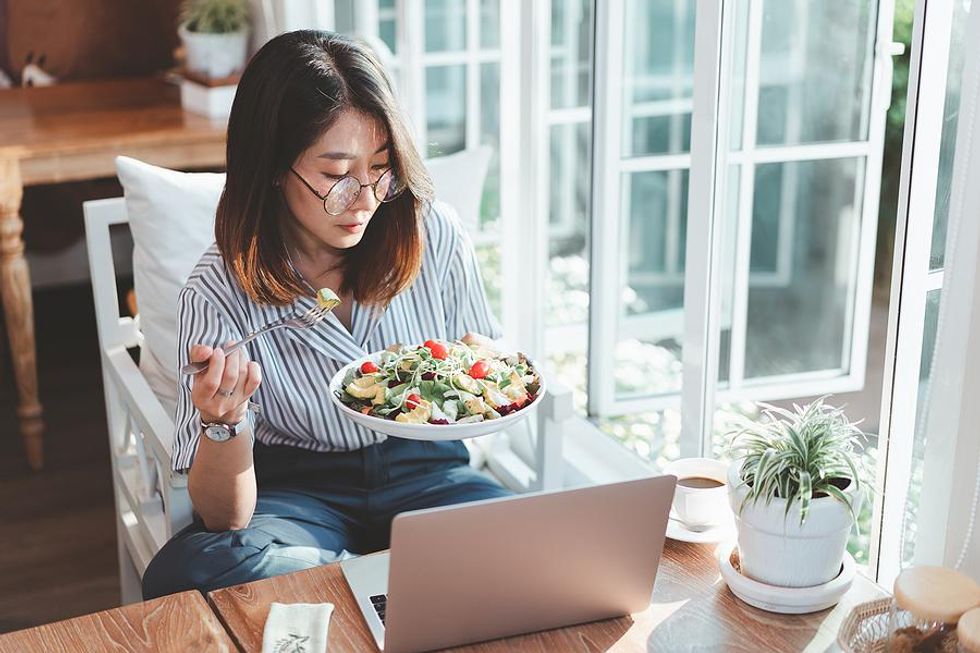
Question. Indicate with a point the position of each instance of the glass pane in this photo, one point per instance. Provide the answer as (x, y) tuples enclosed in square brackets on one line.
[(568, 185), (947, 149), (571, 53), (488, 255), (445, 25), (805, 223), (445, 107), (489, 23), (815, 71), (490, 135), (738, 50), (919, 441), (386, 30), (387, 16), (651, 321), (653, 436), (659, 76)]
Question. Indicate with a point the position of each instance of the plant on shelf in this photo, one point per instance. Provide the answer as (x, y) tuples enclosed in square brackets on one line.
[(215, 36), (797, 484), (215, 16)]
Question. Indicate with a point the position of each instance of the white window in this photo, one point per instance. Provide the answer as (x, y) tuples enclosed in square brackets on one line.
[(795, 173), (804, 119), (683, 206), (447, 64)]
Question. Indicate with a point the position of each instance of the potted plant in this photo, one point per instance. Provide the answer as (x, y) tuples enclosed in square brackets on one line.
[(796, 490), (215, 36)]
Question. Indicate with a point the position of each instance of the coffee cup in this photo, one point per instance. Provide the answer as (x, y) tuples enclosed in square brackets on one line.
[(701, 497)]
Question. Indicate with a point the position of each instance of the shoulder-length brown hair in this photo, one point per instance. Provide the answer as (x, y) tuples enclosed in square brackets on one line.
[(292, 90)]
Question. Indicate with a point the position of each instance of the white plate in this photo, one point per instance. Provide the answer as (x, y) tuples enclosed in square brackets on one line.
[(784, 600), (677, 530), (428, 431)]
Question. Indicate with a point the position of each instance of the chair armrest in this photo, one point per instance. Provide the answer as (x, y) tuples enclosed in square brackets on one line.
[(143, 406)]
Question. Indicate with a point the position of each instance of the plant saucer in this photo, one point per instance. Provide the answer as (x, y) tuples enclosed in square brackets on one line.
[(784, 600)]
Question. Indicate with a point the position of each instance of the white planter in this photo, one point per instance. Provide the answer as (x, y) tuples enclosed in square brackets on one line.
[(214, 56), (775, 549)]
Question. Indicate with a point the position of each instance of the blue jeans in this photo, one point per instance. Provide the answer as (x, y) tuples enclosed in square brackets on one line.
[(316, 508)]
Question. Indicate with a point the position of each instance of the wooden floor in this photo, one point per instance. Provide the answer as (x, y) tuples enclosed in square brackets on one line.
[(57, 535)]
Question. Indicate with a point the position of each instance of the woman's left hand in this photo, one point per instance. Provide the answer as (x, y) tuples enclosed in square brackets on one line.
[(478, 340)]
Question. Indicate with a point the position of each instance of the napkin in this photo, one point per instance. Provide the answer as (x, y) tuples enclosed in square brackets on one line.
[(297, 628)]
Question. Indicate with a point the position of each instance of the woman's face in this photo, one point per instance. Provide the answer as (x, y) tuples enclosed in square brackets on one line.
[(356, 145)]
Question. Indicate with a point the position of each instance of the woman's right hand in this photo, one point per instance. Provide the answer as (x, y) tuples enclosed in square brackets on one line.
[(221, 392)]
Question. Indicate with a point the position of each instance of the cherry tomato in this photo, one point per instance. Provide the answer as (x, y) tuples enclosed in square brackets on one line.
[(368, 368), (479, 369), (413, 401), (437, 348)]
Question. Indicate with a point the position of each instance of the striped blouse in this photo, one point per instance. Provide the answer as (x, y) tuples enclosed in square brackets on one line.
[(446, 301)]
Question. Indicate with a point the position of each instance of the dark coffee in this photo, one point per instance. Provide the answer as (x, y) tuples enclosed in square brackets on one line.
[(699, 482)]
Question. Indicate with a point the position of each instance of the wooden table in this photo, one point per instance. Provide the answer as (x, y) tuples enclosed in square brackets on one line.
[(179, 623), (692, 610), (72, 132)]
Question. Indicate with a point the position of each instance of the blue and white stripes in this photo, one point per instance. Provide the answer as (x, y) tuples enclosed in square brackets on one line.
[(446, 301)]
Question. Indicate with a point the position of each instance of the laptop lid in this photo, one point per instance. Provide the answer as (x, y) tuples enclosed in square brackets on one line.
[(500, 567)]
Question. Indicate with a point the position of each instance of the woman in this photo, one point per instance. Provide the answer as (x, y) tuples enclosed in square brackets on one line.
[(324, 189)]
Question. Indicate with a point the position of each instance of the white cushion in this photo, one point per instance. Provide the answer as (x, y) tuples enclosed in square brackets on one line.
[(458, 179), (171, 216)]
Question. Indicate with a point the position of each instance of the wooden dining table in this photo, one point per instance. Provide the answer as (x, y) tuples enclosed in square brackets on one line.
[(692, 610), (73, 132), (178, 623)]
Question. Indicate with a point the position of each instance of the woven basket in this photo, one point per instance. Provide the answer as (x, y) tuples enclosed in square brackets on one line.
[(866, 629)]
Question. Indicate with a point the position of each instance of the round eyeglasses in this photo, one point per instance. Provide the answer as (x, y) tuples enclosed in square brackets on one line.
[(347, 189)]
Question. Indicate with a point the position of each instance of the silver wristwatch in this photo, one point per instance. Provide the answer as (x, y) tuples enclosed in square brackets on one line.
[(221, 432)]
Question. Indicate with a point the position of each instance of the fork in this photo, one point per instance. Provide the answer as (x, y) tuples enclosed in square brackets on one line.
[(306, 320)]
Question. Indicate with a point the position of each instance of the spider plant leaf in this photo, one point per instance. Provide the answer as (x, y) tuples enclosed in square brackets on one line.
[(805, 494)]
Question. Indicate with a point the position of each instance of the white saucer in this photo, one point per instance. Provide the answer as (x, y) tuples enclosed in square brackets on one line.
[(784, 600), (678, 530)]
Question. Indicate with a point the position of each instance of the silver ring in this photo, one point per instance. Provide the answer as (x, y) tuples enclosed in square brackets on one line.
[(226, 393)]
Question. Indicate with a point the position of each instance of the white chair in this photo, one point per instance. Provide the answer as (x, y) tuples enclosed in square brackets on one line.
[(152, 502)]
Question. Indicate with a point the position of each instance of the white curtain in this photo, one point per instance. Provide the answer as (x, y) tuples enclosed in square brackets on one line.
[(950, 486), (272, 17)]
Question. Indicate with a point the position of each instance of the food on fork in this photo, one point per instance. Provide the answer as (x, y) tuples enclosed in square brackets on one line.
[(327, 299), (441, 383)]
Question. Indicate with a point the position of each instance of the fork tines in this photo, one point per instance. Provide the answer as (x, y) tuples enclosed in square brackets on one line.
[(314, 315)]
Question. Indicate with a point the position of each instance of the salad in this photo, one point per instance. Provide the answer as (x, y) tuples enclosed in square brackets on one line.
[(441, 383)]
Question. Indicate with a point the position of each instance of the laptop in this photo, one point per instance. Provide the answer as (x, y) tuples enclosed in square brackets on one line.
[(500, 567)]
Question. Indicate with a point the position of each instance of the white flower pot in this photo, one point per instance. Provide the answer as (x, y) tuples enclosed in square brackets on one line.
[(775, 549), (214, 55)]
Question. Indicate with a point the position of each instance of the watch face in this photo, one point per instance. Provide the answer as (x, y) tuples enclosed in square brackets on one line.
[(218, 432)]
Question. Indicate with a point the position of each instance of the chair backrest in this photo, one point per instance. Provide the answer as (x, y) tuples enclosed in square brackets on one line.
[(115, 330)]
